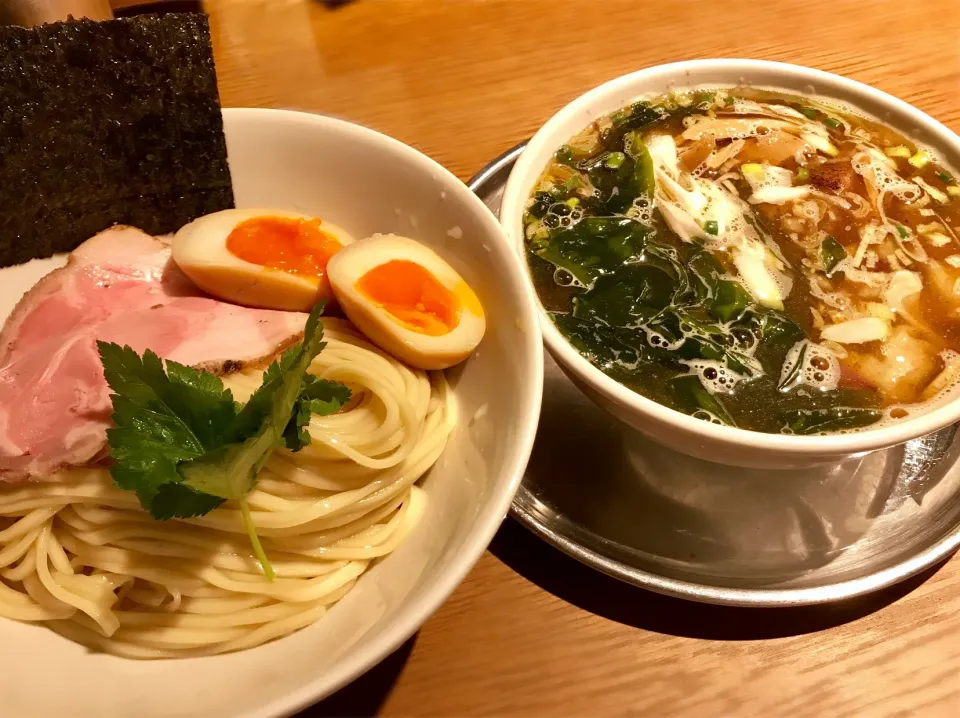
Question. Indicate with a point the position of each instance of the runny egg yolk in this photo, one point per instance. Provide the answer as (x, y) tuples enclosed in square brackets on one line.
[(413, 296), (292, 245)]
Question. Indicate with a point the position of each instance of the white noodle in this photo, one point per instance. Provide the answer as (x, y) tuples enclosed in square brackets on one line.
[(82, 556)]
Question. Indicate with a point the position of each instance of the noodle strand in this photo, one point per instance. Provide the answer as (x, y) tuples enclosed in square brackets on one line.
[(82, 556)]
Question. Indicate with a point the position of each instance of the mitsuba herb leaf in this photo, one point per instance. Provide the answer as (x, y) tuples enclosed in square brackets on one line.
[(230, 470), (317, 396), (183, 444), (175, 500), (162, 418)]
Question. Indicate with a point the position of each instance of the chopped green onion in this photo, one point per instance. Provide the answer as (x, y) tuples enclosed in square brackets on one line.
[(565, 155), (643, 175), (572, 202), (898, 151), (704, 98), (809, 112), (902, 231), (711, 227), (921, 159), (615, 160), (944, 177), (832, 123), (803, 174), (729, 301)]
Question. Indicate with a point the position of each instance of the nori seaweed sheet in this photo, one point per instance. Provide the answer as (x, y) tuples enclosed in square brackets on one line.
[(106, 123)]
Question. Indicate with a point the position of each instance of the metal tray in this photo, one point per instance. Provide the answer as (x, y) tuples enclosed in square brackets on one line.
[(620, 503)]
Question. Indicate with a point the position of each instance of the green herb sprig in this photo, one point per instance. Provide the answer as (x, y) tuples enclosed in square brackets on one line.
[(185, 446)]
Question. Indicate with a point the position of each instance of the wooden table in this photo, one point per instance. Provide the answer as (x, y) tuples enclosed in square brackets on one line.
[(531, 632)]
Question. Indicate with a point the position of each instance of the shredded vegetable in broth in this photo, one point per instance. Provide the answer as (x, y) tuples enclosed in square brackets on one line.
[(754, 259)]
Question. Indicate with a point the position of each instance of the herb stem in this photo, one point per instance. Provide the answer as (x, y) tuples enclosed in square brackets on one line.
[(255, 541)]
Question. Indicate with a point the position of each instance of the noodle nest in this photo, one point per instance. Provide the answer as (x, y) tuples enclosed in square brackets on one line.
[(82, 556)]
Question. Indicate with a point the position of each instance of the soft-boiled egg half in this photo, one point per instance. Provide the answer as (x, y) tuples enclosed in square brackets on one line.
[(407, 300), (260, 257)]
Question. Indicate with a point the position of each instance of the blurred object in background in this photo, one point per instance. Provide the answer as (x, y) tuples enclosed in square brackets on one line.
[(129, 8), (36, 12)]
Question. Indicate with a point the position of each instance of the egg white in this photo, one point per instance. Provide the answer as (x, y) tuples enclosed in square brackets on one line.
[(423, 351), (200, 250)]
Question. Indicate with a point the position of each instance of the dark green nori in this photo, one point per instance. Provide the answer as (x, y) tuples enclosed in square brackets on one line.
[(106, 123)]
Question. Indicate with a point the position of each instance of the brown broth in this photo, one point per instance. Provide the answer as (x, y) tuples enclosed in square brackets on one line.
[(833, 180)]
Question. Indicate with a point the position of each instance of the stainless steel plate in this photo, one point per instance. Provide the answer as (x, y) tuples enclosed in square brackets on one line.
[(622, 504)]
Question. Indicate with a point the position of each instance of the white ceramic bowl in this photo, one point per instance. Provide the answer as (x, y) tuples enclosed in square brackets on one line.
[(672, 428), (366, 183)]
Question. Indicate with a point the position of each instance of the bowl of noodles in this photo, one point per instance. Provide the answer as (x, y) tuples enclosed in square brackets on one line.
[(750, 262), (122, 594)]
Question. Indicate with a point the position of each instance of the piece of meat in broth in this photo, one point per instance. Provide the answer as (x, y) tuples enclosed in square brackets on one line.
[(837, 176), (902, 366), (120, 286)]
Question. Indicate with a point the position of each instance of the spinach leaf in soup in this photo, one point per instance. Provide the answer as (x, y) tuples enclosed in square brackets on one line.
[(693, 398), (620, 184), (609, 348), (594, 246), (639, 116), (730, 300), (778, 334), (631, 295), (831, 254)]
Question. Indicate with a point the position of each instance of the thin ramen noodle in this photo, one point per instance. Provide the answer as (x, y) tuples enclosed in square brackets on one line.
[(82, 556)]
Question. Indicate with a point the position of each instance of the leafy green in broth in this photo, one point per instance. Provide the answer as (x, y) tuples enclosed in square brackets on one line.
[(753, 259)]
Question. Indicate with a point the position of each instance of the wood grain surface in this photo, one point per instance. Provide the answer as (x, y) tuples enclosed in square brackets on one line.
[(531, 632)]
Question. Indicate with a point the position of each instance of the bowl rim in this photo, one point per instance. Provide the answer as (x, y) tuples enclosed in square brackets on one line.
[(413, 614), (545, 142)]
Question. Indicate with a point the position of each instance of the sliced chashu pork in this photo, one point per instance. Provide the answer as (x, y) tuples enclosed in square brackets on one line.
[(120, 286)]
